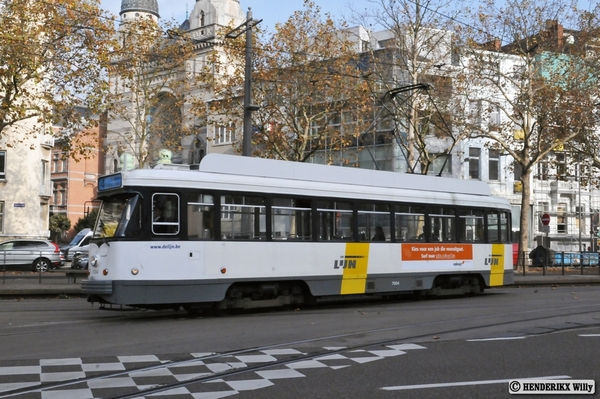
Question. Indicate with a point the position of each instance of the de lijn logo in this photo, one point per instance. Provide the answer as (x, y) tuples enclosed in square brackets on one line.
[(346, 262), (492, 260)]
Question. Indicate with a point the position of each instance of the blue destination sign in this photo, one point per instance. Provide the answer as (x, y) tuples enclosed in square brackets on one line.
[(110, 182), (19, 205)]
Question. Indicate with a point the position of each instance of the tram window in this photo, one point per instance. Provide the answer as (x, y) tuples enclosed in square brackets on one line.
[(373, 222), (118, 217), (410, 223), (471, 226), (245, 218), (335, 221), (291, 219), (131, 222), (200, 217), (504, 227), (442, 222), (498, 226), (165, 214)]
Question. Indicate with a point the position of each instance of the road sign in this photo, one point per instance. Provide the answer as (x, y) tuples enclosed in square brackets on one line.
[(545, 219)]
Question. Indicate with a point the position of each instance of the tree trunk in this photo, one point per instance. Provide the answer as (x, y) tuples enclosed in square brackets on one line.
[(525, 214)]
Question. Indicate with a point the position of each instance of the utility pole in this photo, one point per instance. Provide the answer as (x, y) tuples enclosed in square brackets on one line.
[(248, 106)]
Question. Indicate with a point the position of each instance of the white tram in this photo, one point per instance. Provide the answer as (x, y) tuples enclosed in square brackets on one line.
[(242, 232)]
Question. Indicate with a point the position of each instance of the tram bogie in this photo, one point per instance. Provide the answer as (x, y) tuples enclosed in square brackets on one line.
[(451, 285), (263, 295)]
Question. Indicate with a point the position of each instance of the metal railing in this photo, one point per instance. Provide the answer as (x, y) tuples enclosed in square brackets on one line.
[(564, 263), (15, 260)]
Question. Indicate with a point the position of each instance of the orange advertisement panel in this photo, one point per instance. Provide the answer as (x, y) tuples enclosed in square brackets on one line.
[(437, 251)]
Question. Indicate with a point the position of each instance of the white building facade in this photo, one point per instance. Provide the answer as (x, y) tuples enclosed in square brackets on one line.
[(25, 185)]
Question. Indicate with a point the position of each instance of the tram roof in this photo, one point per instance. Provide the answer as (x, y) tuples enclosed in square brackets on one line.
[(302, 171), (225, 172)]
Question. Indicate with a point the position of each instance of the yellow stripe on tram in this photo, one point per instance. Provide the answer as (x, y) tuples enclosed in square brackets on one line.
[(497, 265), (356, 262)]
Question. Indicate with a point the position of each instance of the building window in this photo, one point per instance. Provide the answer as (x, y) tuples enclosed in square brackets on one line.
[(561, 166), (542, 168), (44, 171), (55, 162), (60, 194), (580, 218), (224, 134), (442, 161), (518, 171), (495, 117), (561, 218), (474, 155), (494, 165), (2, 165), (475, 112)]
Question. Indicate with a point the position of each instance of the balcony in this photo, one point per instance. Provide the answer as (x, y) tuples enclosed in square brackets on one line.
[(46, 189), (564, 187), (47, 140), (203, 33)]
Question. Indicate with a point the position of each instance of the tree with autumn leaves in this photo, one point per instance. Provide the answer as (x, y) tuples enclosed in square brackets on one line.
[(53, 59), (529, 90), (149, 80), (308, 86)]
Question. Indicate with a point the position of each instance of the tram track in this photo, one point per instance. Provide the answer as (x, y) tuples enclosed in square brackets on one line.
[(527, 316)]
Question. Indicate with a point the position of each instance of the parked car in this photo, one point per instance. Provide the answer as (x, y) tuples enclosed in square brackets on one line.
[(80, 261), (30, 254), (79, 243)]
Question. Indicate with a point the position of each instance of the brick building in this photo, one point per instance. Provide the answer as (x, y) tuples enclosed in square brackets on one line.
[(74, 179)]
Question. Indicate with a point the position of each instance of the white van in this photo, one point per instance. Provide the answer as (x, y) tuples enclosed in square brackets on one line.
[(79, 243)]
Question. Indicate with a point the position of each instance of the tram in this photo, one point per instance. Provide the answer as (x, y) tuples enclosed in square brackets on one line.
[(241, 232)]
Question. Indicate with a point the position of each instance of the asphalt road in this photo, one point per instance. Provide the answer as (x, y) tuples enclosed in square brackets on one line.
[(456, 347)]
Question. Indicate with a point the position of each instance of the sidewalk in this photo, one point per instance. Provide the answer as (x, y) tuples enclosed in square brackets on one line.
[(51, 283), (56, 283)]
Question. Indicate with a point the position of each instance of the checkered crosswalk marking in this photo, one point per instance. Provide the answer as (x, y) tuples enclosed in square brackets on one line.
[(152, 371)]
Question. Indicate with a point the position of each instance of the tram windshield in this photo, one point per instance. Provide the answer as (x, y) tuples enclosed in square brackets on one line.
[(119, 216)]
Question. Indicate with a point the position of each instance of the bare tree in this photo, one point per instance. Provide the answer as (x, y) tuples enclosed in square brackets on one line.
[(411, 61), (525, 91), (586, 146)]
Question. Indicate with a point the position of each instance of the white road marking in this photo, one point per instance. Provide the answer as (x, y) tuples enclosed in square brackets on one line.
[(494, 339), (468, 383)]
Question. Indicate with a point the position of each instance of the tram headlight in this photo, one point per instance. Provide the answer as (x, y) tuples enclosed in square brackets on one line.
[(105, 272), (135, 271), (94, 261)]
